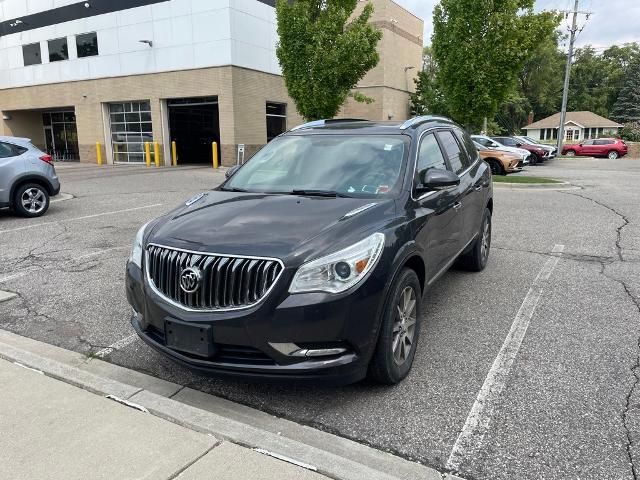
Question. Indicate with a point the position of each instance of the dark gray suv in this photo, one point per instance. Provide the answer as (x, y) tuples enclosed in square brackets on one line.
[(27, 177)]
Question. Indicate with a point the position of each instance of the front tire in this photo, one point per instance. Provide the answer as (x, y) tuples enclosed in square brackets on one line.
[(31, 200), (534, 160), (571, 153), (496, 167), (476, 258), (399, 332)]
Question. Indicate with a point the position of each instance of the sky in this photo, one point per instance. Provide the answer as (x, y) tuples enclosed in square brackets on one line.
[(613, 22)]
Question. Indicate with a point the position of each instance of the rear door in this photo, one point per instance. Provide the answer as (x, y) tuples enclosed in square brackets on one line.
[(437, 223), (10, 167)]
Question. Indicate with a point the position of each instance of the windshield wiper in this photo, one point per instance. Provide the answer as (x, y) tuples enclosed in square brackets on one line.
[(233, 189), (319, 193)]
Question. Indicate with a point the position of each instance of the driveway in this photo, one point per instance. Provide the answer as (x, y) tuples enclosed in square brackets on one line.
[(527, 370)]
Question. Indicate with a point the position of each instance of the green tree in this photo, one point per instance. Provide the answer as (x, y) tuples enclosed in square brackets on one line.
[(627, 106), (428, 97), (480, 46), (323, 54)]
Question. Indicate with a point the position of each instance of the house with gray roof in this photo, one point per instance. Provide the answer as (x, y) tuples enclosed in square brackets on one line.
[(578, 126)]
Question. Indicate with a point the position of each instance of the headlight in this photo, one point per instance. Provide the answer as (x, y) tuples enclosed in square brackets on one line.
[(341, 270), (136, 252)]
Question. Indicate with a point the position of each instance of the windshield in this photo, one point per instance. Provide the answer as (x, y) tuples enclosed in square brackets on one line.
[(345, 165)]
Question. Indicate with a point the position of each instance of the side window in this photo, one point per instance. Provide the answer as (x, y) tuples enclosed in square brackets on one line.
[(6, 151), (452, 149), (588, 142), (430, 155), (470, 148)]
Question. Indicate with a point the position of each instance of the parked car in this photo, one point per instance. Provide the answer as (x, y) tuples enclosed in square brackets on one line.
[(600, 147), (501, 163), (552, 149), (489, 143), (310, 261), (27, 177), (538, 154)]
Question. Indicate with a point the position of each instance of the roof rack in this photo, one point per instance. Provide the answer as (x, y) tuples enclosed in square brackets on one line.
[(319, 123), (415, 121)]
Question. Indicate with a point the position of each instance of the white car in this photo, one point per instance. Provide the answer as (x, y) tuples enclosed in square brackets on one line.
[(491, 144)]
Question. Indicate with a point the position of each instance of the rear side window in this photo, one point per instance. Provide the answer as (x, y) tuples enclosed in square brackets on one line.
[(604, 142), (430, 155), (8, 150), (471, 150), (452, 150), (510, 142)]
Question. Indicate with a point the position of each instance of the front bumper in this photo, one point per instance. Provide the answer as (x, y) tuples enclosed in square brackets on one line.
[(245, 341)]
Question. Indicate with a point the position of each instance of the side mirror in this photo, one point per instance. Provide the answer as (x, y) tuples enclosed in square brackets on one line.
[(231, 171), (437, 179), (518, 145)]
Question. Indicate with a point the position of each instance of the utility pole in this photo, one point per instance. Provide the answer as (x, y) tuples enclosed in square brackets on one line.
[(567, 73)]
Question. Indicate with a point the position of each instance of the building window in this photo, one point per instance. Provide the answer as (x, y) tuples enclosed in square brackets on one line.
[(58, 50), (130, 129), (576, 134), (87, 44), (61, 135), (31, 54), (569, 135), (276, 119)]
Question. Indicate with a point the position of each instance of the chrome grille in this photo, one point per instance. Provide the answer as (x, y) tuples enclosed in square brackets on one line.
[(227, 282)]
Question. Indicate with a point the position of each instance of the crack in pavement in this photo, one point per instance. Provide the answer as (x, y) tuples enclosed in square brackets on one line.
[(635, 368), (611, 209)]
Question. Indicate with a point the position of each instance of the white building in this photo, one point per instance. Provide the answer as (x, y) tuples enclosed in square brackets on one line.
[(578, 126), (124, 72)]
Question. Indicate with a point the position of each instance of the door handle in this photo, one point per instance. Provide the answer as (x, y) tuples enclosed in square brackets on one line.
[(457, 206), (478, 187)]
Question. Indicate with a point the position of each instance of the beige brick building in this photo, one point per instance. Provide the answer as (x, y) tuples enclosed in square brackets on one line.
[(126, 72)]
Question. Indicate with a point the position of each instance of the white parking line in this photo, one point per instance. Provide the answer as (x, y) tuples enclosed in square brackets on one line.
[(116, 346), (80, 218), (479, 418)]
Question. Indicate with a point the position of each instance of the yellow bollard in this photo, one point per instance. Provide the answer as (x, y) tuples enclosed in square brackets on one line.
[(147, 153), (156, 153), (174, 153), (214, 149), (99, 153)]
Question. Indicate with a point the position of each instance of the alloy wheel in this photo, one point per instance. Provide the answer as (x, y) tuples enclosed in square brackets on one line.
[(613, 155), (34, 200), (485, 242), (405, 326)]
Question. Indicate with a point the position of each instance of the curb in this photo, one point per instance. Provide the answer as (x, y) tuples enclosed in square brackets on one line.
[(330, 455)]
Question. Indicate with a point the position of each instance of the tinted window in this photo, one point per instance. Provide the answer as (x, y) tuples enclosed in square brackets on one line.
[(588, 142), (484, 141), (58, 50), (430, 155), (31, 54), (604, 142), (471, 150), (7, 150), (276, 119), (87, 44), (452, 149), (509, 142)]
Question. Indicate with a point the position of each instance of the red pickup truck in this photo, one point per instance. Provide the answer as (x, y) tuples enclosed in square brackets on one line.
[(600, 147)]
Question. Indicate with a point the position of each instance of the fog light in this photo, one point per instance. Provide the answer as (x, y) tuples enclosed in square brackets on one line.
[(343, 269)]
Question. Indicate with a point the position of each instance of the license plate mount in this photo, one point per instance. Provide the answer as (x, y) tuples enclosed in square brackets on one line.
[(189, 337)]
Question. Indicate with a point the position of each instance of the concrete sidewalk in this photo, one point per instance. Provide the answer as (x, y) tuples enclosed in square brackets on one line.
[(50, 429)]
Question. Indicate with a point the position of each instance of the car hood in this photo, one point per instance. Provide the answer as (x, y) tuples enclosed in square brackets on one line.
[(518, 151), (269, 225)]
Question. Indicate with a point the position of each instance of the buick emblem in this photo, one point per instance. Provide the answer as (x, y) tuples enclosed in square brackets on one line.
[(190, 279)]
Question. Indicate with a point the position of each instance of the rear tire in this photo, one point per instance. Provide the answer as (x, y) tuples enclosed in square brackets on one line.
[(31, 200), (612, 155), (476, 258), (399, 331)]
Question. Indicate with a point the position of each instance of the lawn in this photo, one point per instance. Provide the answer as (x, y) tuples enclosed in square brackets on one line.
[(512, 179)]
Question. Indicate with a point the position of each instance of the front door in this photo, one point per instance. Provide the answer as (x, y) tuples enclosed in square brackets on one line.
[(438, 223)]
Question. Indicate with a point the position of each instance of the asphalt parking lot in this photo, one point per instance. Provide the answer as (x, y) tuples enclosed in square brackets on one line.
[(567, 407)]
